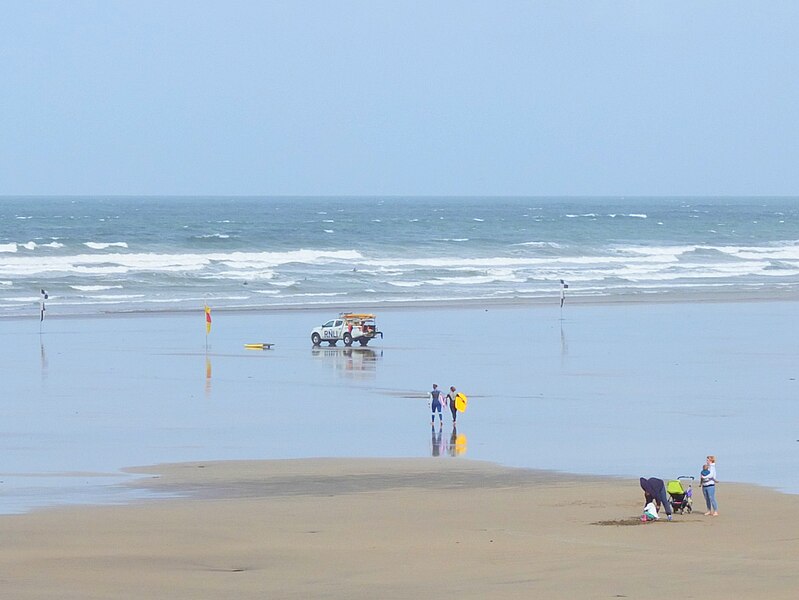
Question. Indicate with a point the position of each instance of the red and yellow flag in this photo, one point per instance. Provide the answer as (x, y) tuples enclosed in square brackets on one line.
[(207, 319)]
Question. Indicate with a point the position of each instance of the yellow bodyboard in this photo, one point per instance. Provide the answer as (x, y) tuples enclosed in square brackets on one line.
[(460, 402)]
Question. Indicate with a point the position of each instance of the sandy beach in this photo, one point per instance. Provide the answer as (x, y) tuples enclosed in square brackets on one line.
[(379, 528), (498, 510)]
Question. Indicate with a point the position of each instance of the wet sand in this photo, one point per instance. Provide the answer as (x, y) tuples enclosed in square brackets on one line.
[(625, 390), (385, 528)]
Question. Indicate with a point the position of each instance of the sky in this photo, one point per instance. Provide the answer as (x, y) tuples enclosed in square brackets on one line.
[(399, 98)]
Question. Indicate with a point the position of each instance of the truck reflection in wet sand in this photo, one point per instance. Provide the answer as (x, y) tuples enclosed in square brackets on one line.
[(350, 362)]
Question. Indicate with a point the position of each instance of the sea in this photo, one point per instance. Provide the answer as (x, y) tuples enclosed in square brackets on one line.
[(99, 255), (634, 376)]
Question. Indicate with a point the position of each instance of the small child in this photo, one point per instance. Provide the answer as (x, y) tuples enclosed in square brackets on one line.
[(650, 512)]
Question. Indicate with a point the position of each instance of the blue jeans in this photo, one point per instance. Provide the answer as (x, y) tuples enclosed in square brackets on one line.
[(664, 500), (709, 492)]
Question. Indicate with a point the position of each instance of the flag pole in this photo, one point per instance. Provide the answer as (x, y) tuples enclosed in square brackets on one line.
[(207, 325)]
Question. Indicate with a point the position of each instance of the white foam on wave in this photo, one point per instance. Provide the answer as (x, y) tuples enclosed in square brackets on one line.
[(95, 288), (506, 276), (536, 244), (315, 294), (116, 296), (283, 284), (246, 273), (25, 299), (329, 231), (500, 262), (31, 245), (117, 263), (105, 245)]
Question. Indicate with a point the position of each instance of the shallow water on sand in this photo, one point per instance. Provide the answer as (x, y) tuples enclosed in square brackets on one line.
[(629, 390)]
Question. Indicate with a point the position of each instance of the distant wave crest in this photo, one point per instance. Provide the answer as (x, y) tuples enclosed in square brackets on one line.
[(105, 245)]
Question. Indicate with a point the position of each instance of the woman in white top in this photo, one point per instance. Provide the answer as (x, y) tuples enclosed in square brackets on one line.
[(708, 477)]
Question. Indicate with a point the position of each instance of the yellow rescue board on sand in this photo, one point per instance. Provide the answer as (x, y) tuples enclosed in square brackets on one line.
[(460, 402), (262, 346)]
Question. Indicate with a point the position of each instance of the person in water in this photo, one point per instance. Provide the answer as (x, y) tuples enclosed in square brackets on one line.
[(435, 405)]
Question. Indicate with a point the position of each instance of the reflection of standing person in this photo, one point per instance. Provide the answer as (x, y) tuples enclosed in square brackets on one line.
[(436, 440), (453, 441), (451, 404), (655, 489), (435, 405), (708, 478)]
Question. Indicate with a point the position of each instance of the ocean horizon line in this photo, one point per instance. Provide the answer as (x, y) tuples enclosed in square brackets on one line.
[(407, 196)]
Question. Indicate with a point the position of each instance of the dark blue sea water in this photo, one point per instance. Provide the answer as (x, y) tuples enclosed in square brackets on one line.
[(119, 254)]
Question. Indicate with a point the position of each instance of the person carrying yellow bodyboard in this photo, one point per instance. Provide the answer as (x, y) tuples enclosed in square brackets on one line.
[(456, 402)]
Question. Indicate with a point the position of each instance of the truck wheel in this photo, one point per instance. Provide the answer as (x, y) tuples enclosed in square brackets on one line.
[(348, 339), (363, 342), (316, 339)]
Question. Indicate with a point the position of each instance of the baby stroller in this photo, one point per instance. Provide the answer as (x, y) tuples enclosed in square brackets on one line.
[(680, 492)]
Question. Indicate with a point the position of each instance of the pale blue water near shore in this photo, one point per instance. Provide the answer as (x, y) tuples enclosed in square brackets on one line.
[(97, 255), (610, 389)]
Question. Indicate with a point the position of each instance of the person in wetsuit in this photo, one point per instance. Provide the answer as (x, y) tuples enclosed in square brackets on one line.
[(435, 404)]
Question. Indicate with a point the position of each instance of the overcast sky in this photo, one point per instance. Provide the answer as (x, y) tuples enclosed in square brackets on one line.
[(399, 98)]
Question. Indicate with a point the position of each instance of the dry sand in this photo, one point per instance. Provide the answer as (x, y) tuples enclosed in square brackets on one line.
[(423, 528)]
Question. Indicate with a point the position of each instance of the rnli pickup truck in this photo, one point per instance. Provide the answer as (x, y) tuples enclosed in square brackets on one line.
[(348, 328)]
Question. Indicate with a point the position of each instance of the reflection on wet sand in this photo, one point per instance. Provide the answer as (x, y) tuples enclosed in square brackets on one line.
[(43, 358), (207, 376), (457, 443), (440, 446), (435, 440), (350, 362)]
